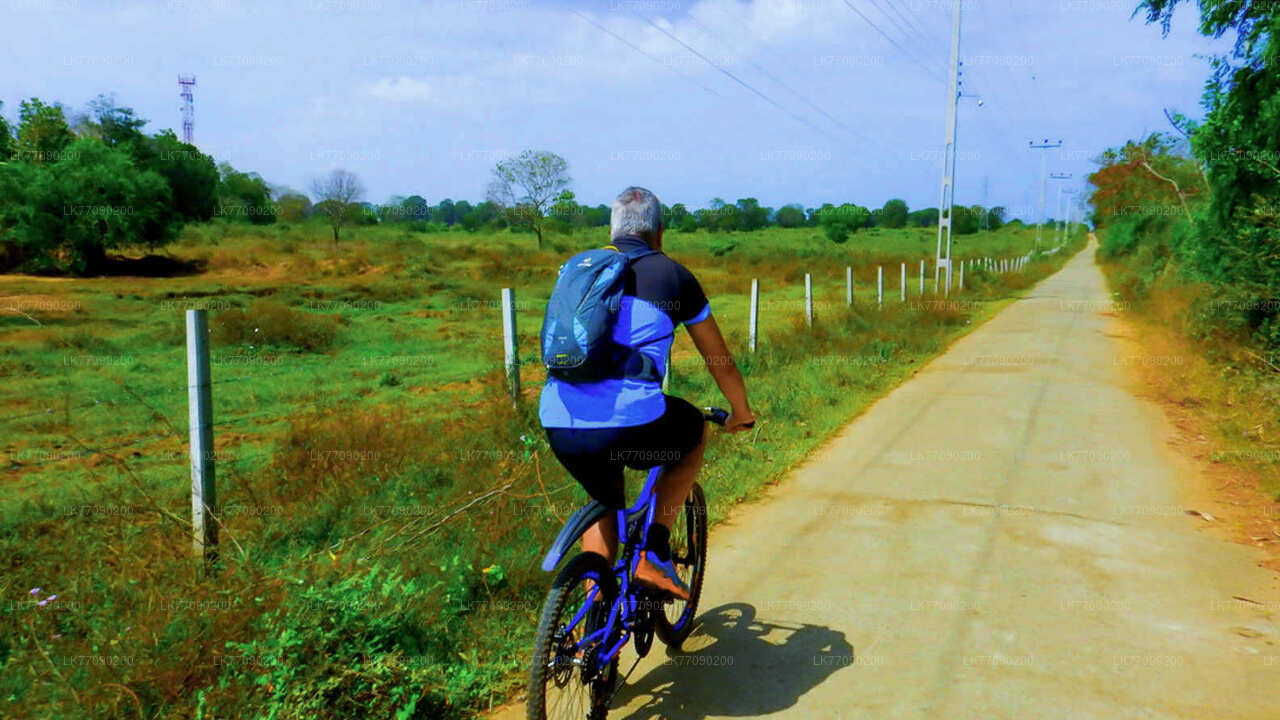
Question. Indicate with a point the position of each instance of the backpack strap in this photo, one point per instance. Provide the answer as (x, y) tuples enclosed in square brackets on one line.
[(648, 369)]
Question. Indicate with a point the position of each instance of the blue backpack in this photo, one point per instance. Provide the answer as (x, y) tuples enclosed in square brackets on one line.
[(577, 332)]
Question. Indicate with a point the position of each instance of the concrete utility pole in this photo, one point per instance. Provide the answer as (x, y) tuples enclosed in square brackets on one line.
[(947, 198), (1057, 208), (1066, 216), (1044, 172)]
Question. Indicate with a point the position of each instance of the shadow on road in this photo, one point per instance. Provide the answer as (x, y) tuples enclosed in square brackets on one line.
[(737, 665)]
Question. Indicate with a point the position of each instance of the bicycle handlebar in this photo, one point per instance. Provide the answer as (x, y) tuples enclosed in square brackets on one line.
[(718, 416)]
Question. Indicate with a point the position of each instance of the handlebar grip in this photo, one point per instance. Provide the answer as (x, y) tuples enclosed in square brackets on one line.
[(715, 415), (719, 416)]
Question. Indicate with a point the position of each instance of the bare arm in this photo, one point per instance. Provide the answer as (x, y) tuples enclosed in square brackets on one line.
[(715, 353)]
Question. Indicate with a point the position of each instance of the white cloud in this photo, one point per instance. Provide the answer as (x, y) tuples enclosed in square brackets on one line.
[(402, 90)]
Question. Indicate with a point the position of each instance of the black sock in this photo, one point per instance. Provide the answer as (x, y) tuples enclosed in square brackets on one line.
[(659, 542)]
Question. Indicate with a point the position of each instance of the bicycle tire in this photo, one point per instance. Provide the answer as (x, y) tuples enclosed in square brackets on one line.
[(673, 633), (563, 591)]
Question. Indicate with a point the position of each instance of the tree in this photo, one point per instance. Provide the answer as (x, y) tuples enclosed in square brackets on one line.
[(925, 217), (192, 176), (790, 216), (245, 196), (838, 223), (567, 212), (894, 214), (65, 216), (526, 185), (293, 206), (750, 215), (338, 195), (995, 217), (7, 141), (43, 132)]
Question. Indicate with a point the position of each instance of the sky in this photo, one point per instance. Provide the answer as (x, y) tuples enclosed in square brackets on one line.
[(804, 101)]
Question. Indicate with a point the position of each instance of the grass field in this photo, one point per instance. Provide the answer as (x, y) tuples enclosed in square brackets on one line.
[(383, 508)]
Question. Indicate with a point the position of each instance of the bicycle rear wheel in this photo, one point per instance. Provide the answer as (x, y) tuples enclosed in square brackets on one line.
[(564, 680), (689, 555)]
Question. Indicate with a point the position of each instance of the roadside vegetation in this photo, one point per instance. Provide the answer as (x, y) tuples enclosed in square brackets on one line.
[(383, 507), (1189, 222)]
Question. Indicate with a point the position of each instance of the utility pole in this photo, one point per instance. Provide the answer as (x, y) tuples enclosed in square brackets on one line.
[(1057, 208), (947, 196), (1044, 172), (1066, 233)]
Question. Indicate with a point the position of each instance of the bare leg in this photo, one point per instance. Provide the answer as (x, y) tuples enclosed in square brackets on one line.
[(672, 489), (602, 538), (676, 483)]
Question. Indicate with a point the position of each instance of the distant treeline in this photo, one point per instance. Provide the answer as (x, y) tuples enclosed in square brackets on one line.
[(74, 188)]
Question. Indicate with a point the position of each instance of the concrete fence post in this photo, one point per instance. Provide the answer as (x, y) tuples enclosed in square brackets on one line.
[(808, 300), (204, 497), (754, 323), (510, 355)]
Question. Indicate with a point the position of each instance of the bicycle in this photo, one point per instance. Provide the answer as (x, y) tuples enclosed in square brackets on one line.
[(593, 610)]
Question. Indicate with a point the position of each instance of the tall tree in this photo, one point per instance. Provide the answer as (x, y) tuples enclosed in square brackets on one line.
[(43, 132), (894, 214), (526, 185)]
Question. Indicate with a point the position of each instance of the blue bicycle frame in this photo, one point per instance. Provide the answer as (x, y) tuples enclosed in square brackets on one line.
[(624, 608)]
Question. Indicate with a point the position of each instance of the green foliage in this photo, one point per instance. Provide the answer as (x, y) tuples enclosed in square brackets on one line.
[(244, 197), (838, 223), (894, 214), (43, 133), (926, 217), (7, 141), (65, 216), (790, 216)]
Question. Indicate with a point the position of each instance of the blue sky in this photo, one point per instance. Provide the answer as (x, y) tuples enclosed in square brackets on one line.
[(424, 97)]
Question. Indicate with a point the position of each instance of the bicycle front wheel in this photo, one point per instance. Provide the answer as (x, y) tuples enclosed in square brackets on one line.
[(689, 555)]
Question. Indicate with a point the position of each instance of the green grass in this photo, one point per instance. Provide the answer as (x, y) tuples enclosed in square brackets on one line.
[(367, 408)]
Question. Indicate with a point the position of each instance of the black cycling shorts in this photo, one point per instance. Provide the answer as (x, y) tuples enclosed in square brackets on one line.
[(595, 456)]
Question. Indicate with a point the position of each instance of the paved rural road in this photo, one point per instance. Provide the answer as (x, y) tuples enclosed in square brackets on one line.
[(1000, 537)]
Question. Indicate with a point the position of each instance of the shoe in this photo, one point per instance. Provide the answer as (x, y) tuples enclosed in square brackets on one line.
[(661, 576)]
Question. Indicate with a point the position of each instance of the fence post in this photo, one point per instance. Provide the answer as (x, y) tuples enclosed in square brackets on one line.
[(962, 263), (204, 498), (902, 281), (511, 358), (808, 300), (880, 285), (848, 285), (922, 277), (754, 322)]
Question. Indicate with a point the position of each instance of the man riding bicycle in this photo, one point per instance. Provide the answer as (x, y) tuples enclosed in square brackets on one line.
[(596, 428)]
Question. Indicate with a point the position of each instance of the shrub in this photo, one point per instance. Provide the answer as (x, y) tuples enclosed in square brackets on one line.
[(269, 323)]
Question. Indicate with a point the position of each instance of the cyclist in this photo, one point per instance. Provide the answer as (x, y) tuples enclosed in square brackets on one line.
[(596, 428)]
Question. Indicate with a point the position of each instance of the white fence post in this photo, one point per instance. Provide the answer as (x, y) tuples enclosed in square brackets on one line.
[(903, 282), (204, 497), (962, 263), (511, 358), (808, 300), (754, 323), (880, 285), (848, 285), (922, 277)]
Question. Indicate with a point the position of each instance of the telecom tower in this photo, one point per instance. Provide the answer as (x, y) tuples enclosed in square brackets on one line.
[(185, 83)]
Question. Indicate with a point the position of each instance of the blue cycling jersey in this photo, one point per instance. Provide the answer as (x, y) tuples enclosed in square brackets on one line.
[(659, 295)]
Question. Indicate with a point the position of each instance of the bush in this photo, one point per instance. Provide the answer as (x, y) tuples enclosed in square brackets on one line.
[(271, 324)]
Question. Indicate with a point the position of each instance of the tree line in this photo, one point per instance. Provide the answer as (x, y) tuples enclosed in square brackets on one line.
[(77, 186), (1201, 202)]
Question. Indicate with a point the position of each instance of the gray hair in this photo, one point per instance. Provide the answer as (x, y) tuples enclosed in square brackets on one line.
[(636, 211)]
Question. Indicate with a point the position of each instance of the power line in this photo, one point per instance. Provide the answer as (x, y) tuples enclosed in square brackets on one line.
[(629, 44), (893, 42), (740, 81), (778, 81)]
